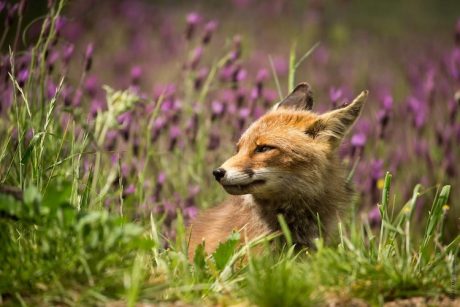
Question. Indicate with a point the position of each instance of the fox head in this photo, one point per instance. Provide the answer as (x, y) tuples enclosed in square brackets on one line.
[(290, 150)]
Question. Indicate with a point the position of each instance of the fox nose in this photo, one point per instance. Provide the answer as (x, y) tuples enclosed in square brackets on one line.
[(218, 173)]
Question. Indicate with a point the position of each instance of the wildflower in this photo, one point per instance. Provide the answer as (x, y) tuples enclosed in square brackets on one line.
[(51, 60), (68, 52), (111, 140), (380, 183), (89, 57), (192, 128), (174, 133), (193, 191), (235, 54), (374, 216), (193, 19), (209, 29), (334, 95), (91, 85), (161, 179), (130, 189), (77, 98), (262, 76), (445, 208), (418, 110), (200, 77), (59, 25), (217, 109), (214, 141), (239, 75), (136, 73), (281, 65), (196, 57), (358, 140), (226, 73), (23, 76), (96, 106), (51, 89)]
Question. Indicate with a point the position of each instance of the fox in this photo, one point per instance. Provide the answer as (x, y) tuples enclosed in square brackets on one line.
[(285, 163)]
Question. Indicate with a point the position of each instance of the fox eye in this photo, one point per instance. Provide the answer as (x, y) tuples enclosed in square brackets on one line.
[(263, 148)]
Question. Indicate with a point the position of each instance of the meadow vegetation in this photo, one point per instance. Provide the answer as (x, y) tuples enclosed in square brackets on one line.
[(98, 182)]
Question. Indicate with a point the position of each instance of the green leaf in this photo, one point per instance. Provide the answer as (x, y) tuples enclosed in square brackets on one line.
[(225, 250), (32, 195), (200, 256), (30, 147), (57, 194)]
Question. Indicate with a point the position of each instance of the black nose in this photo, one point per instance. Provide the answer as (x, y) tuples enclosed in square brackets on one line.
[(219, 173)]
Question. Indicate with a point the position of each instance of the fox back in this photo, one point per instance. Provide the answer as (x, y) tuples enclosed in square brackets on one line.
[(285, 163)]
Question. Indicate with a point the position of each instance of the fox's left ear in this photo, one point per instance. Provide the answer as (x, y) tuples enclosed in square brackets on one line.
[(300, 99), (335, 124)]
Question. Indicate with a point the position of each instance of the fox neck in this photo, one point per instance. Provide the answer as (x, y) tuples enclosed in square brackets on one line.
[(306, 216)]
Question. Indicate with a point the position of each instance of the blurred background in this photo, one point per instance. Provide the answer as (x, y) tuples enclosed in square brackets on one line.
[(213, 63)]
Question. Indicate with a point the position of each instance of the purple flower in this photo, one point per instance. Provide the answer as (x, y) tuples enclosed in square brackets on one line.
[(91, 85), (52, 58), (193, 19), (196, 57), (214, 140), (209, 29), (23, 76), (161, 179), (96, 106), (131, 189), (358, 140), (377, 168), (165, 90), (68, 52), (200, 76), (174, 134), (217, 108), (226, 73), (387, 102), (244, 113), (418, 110), (136, 73), (89, 56), (374, 216), (125, 119), (335, 94), (59, 25), (240, 75), (190, 212), (262, 75), (51, 89), (281, 65), (321, 55)]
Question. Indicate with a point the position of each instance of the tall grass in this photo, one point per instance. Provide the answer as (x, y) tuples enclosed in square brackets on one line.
[(60, 245)]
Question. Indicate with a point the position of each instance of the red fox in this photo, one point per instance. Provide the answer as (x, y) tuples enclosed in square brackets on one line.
[(285, 163)]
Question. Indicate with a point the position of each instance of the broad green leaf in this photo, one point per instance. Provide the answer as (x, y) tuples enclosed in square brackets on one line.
[(225, 250)]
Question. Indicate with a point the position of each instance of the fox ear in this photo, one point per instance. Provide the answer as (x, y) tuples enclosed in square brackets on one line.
[(335, 124), (300, 99)]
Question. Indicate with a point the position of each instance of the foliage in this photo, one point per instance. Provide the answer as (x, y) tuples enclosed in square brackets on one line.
[(106, 182)]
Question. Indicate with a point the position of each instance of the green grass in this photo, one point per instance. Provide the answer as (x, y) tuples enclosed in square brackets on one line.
[(61, 246)]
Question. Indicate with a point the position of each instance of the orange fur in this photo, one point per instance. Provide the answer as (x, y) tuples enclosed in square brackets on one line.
[(286, 163)]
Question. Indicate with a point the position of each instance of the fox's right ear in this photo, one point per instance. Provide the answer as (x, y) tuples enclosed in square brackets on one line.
[(300, 99), (335, 124)]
